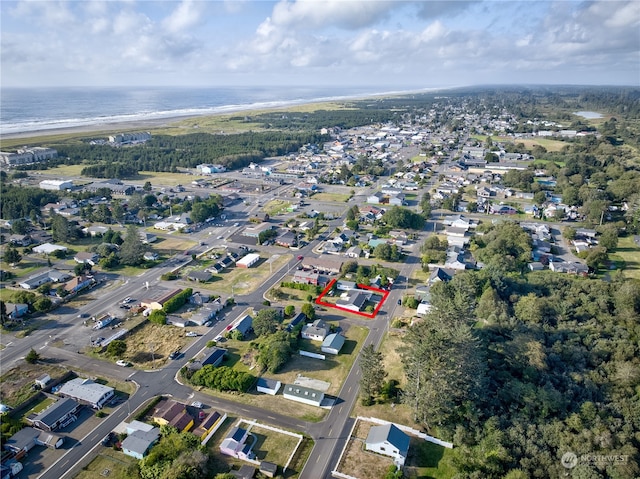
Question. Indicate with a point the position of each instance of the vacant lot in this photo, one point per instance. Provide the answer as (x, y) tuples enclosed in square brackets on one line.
[(274, 207), (149, 345), (110, 464), (243, 280), (337, 197), (629, 253), (172, 244), (15, 384)]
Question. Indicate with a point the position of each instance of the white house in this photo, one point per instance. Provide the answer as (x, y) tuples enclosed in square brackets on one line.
[(87, 391), (315, 331), (388, 440)]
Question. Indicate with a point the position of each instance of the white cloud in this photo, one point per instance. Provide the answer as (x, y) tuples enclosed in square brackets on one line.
[(351, 14), (185, 16)]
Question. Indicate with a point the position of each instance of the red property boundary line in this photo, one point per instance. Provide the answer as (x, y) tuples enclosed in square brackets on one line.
[(372, 315)]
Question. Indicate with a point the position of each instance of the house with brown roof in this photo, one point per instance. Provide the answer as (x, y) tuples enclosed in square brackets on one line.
[(207, 424), (173, 413), (159, 298)]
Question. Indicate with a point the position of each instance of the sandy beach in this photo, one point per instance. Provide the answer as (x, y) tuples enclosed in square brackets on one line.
[(103, 128)]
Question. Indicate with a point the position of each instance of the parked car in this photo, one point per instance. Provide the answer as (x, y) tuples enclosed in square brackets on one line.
[(123, 363), (197, 404), (108, 439), (191, 334)]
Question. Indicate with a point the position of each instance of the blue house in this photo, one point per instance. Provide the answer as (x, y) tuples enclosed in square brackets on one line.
[(138, 443)]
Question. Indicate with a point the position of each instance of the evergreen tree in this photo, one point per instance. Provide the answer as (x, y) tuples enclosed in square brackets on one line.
[(373, 373), (132, 249), (11, 255)]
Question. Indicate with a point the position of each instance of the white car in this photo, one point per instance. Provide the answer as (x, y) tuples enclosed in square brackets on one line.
[(197, 404), (123, 363), (191, 334)]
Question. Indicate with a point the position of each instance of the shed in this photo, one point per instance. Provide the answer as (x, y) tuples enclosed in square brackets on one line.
[(43, 380), (268, 386), (333, 343), (268, 469)]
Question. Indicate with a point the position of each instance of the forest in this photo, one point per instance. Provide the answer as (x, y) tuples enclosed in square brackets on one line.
[(168, 153), (517, 370)]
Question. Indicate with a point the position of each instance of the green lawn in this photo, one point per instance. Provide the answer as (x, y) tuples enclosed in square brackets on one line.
[(336, 197), (110, 464), (274, 207), (627, 256), (427, 460)]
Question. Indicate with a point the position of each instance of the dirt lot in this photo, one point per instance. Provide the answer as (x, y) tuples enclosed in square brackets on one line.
[(359, 463)]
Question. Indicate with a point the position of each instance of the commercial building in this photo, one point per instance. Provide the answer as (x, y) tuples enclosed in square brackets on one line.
[(248, 261), (27, 156), (56, 185)]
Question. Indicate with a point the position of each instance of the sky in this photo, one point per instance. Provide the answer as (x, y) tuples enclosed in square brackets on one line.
[(388, 44)]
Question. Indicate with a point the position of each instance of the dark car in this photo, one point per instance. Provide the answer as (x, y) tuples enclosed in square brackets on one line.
[(108, 439), (174, 355), (300, 257), (399, 301)]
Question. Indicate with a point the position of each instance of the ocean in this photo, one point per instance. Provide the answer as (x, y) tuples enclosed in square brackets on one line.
[(26, 110)]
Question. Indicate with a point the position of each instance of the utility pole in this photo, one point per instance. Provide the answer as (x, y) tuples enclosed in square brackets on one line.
[(152, 349)]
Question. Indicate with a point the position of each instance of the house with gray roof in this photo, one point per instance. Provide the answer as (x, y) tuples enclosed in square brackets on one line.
[(58, 415), (303, 394), (333, 343), (388, 440), (86, 391), (355, 301), (244, 325), (28, 437), (138, 443), (315, 331)]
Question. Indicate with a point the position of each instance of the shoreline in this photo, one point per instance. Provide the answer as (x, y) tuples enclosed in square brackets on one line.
[(170, 121), (101, 128)]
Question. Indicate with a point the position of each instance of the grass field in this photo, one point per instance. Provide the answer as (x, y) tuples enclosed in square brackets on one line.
[(15, 383), (628, 253), (273, 446), (110, 464), (274, 207), (548, 144), (336, 197), (150, 345), (241, 280)]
